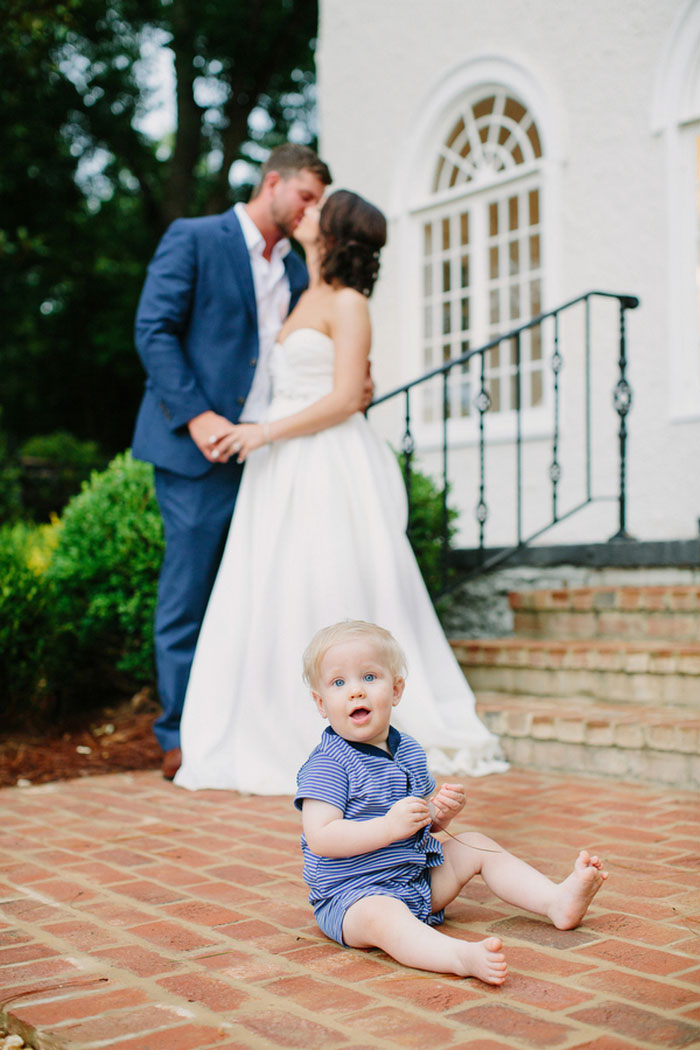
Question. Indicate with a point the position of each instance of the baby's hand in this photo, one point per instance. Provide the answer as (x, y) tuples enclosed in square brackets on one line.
[(447, 803), (407, 816)]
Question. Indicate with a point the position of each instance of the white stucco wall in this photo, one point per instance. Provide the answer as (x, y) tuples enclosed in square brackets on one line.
[(384, 71)]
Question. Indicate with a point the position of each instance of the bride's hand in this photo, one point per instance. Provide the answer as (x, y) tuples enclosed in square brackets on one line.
[(240, 442)]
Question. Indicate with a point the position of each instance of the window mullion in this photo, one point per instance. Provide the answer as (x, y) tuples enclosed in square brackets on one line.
[(482, 252)]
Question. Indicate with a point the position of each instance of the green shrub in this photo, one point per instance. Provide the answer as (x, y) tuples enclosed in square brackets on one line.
[(63, 450), (24, 620), (77, 599), (426, 527), (10, 488), (53, 468), (104, 573)]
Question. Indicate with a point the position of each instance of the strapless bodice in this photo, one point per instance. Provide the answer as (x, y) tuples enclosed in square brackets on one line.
[(301, 368)]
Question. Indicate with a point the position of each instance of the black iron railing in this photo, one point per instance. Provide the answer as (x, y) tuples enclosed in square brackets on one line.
[(622, 401)]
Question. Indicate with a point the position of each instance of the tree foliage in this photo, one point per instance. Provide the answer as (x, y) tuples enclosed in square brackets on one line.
[(86, 193)]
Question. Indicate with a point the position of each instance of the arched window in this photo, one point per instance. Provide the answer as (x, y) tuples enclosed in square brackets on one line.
[(494, 134), (481, 236)]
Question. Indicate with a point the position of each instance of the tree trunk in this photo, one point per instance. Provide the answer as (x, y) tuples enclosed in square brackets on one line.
[(179, 189)]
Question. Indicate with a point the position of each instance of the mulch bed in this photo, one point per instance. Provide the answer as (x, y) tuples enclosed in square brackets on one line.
[(107, 740)]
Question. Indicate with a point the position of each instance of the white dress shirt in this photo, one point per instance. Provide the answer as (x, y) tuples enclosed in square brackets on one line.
[(272, 298)]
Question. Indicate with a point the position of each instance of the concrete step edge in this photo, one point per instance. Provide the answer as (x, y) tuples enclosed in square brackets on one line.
[(643, 764), (608, 598), (634, 727), (607, 645), (646, 627)]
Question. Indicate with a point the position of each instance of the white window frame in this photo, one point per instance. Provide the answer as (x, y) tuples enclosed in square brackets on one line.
[(481, 329), (412, 199), (676, 119)]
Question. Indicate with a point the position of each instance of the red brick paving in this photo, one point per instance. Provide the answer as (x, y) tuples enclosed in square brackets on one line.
[(137, 916)]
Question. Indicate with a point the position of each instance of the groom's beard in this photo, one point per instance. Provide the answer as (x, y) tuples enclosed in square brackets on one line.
[(286, 223), (286, 228)]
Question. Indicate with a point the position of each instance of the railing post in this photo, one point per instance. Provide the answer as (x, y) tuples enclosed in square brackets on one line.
[(518, 442), (587, 368), (407, 448), (483, 404), (555, 471), (622, 400), (445, 512)]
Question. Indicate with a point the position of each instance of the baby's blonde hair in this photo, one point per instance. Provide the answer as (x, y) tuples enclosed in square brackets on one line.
[(349, 630)]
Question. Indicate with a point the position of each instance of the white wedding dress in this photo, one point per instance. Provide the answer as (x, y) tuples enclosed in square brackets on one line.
[(318, 536)]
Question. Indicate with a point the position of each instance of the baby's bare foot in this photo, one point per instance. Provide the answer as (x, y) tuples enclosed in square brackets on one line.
[(482, 959), (573, 895)]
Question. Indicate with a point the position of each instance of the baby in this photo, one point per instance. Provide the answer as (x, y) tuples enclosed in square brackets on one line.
[(378, 877)]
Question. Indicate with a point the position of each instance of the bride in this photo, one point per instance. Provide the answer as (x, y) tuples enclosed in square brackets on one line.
[(318, 536)]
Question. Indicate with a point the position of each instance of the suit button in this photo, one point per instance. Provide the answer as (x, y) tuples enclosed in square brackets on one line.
[(166, 411), (240, 400), (253, 362)]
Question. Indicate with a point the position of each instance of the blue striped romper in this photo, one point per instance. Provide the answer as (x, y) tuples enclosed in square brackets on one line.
[(364, 782)]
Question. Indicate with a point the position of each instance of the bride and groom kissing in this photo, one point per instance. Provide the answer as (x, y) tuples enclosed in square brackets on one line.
[(254, 358)]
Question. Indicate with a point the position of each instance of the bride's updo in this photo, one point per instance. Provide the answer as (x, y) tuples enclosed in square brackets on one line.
[(353, 233)]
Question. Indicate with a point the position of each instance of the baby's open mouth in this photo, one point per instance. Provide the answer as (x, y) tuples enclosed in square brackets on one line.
[(360, 714)]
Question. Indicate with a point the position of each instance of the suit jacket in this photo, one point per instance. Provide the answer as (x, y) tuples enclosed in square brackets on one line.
[(197, 335)]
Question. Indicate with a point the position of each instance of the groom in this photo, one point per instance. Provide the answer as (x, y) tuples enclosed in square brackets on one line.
[(214, 299)]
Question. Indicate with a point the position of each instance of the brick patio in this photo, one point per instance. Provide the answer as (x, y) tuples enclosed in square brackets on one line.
[(137, 916)]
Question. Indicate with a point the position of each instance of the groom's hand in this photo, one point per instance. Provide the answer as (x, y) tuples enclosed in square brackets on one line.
[(207, 430)]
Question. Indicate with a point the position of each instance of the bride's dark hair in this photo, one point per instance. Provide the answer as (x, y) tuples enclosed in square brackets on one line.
[(353, 232)]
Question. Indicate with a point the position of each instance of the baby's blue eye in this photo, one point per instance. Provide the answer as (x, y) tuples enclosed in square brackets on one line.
[(338, 682), (369, 677)]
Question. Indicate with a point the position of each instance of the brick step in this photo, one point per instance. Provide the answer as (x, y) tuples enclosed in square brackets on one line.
[(654, 613), (651, 673), (582, 736)]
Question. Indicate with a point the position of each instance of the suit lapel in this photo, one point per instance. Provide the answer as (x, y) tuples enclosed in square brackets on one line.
[(243, 269), (294, 268)]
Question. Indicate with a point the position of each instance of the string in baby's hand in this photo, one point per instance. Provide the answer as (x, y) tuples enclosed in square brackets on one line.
[(438, 827)]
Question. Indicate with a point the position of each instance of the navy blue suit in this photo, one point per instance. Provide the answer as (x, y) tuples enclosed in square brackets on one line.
[(197, 336)]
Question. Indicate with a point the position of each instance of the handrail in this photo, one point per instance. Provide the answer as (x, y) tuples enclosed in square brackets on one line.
[(631, 303), (622, 401)]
